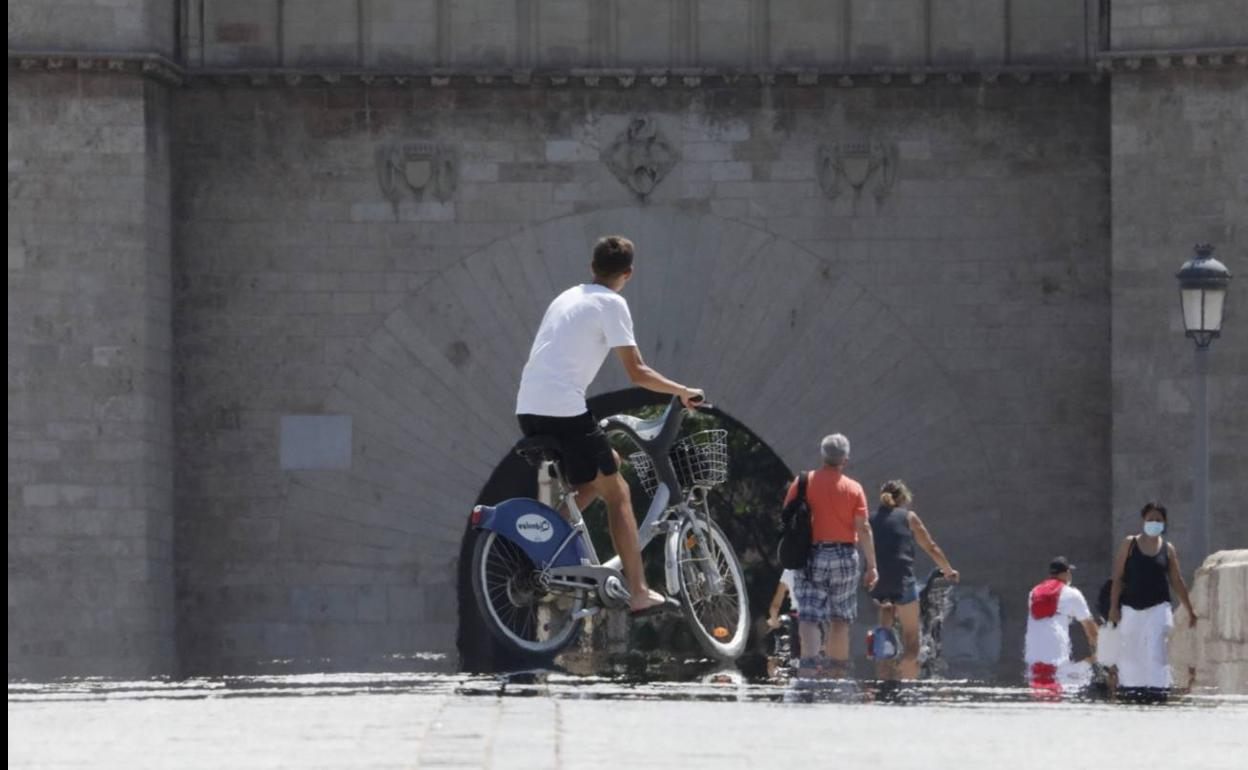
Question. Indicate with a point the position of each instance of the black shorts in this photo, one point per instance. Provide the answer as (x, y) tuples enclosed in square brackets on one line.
[(584, 446)]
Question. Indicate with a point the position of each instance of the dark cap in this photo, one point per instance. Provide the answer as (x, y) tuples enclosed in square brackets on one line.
[(1060, 565)]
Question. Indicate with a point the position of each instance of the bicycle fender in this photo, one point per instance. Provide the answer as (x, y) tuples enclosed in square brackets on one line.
[(671, 556), (671, 552), (537, 529)]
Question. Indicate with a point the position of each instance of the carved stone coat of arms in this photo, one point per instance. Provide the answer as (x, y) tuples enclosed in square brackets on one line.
[(640, 157), (857, 166), (418, 168)]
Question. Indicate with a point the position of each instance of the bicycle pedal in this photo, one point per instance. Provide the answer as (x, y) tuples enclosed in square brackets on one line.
[(615, 589)]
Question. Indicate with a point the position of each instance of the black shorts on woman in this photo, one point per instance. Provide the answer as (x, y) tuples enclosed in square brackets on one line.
[(584, 446)]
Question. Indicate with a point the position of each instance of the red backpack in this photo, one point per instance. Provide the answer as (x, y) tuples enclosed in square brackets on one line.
[(1044, 597)]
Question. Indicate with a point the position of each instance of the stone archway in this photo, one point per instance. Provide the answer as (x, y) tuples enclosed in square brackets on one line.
[(744, 507), (777, 337)]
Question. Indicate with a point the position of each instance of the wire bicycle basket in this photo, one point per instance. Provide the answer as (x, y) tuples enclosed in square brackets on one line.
[(700, 460)]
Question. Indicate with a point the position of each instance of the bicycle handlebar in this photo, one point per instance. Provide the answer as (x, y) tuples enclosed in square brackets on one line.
[(654, 436)]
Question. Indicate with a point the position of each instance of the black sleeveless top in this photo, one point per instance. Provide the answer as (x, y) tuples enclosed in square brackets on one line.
[(894, 548), (1146, 579)]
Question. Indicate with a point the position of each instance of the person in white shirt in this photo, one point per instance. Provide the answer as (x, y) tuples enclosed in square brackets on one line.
[(580, 327), (784, 587), (1051, 607)]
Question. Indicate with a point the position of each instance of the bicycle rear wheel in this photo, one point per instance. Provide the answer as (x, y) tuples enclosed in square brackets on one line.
[(519, 610), (719, 618)]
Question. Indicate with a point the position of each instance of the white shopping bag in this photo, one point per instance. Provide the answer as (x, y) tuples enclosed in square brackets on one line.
[(1107, 645)]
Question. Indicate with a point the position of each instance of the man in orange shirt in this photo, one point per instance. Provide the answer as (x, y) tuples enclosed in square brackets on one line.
[(827, 590)]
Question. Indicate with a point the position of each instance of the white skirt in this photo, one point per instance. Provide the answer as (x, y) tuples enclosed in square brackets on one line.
[(1140, 649)]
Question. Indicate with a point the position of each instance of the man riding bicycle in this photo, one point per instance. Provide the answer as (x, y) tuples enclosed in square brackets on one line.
[(576, 332)]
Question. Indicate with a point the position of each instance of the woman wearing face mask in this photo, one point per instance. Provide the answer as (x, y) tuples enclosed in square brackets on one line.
[(1146, 567)]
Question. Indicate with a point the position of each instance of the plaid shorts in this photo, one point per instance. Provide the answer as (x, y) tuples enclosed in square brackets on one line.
[(828, 587)]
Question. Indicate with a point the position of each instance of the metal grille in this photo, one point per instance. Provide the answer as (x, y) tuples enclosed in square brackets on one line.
[(700, 460)]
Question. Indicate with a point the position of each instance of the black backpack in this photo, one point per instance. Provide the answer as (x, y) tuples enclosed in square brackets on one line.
[(795, 533)]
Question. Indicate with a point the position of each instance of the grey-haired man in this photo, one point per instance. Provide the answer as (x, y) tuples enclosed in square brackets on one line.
[(827, 590)]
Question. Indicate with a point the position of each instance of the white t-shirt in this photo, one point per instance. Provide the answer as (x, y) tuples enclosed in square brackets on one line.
[(579, 329), (787, 577), (1048, 639)]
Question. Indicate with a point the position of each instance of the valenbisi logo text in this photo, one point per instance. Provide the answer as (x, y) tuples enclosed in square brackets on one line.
[(534, 528)]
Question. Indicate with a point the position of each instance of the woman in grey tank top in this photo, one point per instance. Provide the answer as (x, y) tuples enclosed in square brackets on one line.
[(896, 529)]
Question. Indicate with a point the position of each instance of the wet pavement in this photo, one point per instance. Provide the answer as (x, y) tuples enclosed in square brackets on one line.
[(558, 720)]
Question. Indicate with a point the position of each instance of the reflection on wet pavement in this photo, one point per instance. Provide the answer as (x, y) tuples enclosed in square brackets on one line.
[(696, 716), (695, 680)]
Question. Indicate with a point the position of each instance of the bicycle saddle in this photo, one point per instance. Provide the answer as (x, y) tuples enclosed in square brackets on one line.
[(646, 430), (536, 449)]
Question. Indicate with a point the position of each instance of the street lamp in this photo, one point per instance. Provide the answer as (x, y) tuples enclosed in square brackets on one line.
[(1202, 292)]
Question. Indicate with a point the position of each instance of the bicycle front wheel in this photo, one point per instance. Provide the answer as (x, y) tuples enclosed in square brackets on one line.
[(519, 611), (712, 587)]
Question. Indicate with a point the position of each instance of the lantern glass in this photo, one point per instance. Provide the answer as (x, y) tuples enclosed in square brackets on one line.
[(1213, 309), (1193, 309), (1202, 312)]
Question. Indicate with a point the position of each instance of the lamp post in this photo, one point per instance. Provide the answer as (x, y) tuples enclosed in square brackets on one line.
[(1202, 292)]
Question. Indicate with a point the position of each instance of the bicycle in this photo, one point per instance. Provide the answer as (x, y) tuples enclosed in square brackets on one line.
[(536, 575), (935, 602)]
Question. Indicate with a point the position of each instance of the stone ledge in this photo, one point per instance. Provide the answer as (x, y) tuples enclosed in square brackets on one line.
[(150, 65), (1172, 59), (625, 79), (165, 70), (161, 68)]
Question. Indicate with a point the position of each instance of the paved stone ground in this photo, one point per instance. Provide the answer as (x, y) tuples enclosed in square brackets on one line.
[(440, 721)]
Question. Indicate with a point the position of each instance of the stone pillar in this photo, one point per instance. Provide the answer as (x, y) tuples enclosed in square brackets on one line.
[(90, 359)]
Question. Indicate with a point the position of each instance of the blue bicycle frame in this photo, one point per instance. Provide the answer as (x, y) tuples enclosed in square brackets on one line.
[(560, 548)]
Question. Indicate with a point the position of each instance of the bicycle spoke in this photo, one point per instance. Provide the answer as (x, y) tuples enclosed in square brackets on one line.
[(507, 557), (519, 622), (499, 575), (721, 609), (506, 553), (498, 597), (522, 610)]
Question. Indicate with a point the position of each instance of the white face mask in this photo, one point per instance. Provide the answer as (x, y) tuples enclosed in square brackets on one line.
[(1154, 528)]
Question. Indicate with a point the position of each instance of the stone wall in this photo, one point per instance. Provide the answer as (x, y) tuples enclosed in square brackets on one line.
[(1156, 25), (131, 26), (359, 267), (1180, 176), (736, 34), (90, 424), (941, 284)]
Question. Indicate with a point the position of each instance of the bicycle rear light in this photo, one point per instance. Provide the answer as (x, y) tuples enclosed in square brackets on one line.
[(475, 517)]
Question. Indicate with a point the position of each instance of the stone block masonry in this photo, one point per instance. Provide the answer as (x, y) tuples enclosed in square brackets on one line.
[(1179, 177), (959, 221), (120, 26), (1179, 24), (90, 362), (742, 35), (952, 316)]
